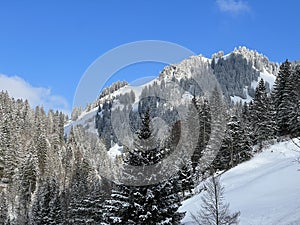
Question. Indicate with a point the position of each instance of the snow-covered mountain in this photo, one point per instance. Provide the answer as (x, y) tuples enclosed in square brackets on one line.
[(265, 189), (237, 72)]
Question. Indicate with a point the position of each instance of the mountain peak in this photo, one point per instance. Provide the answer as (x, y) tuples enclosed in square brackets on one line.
[(248, 53), (258, 60)]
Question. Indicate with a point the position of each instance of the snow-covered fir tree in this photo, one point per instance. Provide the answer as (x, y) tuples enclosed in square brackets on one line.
[(293, 102), (150, 204), (204, 116), (263, 119), (236, 147), (281, 97)]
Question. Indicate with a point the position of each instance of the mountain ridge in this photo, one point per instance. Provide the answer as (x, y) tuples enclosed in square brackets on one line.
[(187, 68)]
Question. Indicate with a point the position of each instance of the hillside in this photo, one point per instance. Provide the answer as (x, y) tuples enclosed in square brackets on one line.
[(136, 153), (265, 189)]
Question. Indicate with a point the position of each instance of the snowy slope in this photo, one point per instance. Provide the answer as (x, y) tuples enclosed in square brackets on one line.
[(86, 119), (238, 99), (266, 189), (268, 77), (115, 151)]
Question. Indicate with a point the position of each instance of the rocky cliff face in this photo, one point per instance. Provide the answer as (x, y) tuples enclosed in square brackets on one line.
[(237, 72)]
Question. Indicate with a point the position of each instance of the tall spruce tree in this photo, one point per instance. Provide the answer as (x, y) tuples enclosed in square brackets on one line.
[(151, 204), (204, 116), (45, 209), (246, 116), (3, 209), (280, 96), (80, 188), (293, 102), (185, 173), (263, 122), (28, 179), (218, 126), (236, 147)]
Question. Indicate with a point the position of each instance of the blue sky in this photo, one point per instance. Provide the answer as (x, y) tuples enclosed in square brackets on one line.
[(46, 46)]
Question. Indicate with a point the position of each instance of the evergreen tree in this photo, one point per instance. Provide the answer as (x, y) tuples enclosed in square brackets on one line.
[(186, 178), (246, 123), (151, 204), (263, 122), (28, 179), (3, 208), (185, 173), (293, 103), (41, 149), (204, 116), (82, 207), (145, 131), (280, 97), (235, 147), (120, 208), (46, 209), (9, 144), (93, 206), (28, 195), (218, 125)]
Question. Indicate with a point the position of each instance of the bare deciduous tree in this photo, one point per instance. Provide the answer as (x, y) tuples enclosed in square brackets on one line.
[(214, 211), (298, 145)]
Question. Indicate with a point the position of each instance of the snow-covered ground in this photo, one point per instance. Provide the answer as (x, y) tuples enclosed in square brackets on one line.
[(238, 99), (267, 77), (266, 189), (115, 151)]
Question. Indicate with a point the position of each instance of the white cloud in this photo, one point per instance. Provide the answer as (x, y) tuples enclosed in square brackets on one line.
[(233, 6), (20, 89)]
